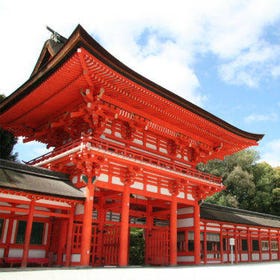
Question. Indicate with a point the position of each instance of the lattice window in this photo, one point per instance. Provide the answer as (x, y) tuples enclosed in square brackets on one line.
[(36, 233), (77, 236), (213, 242), (1, 229), (274, 245), (181, 241), (265, 245), (244, 245), (255, 245)]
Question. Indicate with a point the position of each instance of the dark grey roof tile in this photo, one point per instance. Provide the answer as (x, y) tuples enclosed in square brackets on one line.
[(22, 177)]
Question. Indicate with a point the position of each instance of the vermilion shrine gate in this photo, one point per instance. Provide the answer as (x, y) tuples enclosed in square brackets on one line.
[(130, 145)]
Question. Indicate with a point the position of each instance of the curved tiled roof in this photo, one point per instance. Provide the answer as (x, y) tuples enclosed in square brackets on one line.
[(80, 38), (22, 177), (238, 216)]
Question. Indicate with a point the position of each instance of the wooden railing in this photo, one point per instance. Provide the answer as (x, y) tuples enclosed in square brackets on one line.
[(132, 153)]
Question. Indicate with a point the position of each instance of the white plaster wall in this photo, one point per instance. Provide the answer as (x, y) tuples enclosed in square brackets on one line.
[(4, 204), (244, 257), (33, 253), (137, 185), (137, 141), (255, 257), (79, 209), (187, 210), (116, 180), (214, 261), (165, 191), (274, 256), (181, 195), (23, 198), (13, 232), (190, 197), (151, 146), (15, 253), (49, 202), (4, 239), (265, 256), (107, 130), (151, 188), (216, 229), (225, 258), (76, 257), (103, 178), (185, 259), (187, 222), (46, 231)]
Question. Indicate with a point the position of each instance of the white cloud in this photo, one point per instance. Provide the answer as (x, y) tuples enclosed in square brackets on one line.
[(272, 153), (261, 117), (227, 29), (179, 32), (275, 71), (251, 66)]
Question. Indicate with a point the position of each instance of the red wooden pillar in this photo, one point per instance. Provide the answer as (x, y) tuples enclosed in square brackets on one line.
[(149, 225), (260, 247), (9, 233), (249, 245), (221, 244), (236, 247), (269, 244), (87, 223), (101, 218), (173, 231), (62, 223), (123, 253), (70, 235), (196, 233), (205, 243), (278, 245), (27, 234)]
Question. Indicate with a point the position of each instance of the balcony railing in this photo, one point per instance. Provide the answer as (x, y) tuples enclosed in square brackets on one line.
[(132, 153)]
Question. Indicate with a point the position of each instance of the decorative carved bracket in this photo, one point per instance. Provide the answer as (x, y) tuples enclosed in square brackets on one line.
[(175, 186), (130, 174), (127, 131), (88, 163), (130, 126)]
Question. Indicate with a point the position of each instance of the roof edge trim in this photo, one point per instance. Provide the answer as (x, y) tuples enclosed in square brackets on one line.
[(80, 38)]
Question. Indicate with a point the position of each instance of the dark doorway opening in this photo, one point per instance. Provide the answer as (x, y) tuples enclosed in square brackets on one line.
[(136, 247)]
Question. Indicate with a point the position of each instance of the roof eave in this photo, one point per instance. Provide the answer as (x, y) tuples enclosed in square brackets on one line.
[(80, 38)]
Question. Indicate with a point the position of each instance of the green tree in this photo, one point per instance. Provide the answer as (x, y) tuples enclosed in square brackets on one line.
[(264, 178), (275, 205), (241, 186), (137, 247), (249, 185), (7, 142), (236, 172)]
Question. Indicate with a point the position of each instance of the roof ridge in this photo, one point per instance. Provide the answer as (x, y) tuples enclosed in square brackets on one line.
[(34, 170), (232, 209)]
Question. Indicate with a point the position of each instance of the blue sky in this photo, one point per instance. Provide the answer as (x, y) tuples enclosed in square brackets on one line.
[(221, 55)]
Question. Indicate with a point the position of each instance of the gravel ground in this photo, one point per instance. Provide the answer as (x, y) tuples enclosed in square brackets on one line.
[(225, 272)]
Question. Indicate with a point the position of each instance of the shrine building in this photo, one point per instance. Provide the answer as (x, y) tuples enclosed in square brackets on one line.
[(124, 155)]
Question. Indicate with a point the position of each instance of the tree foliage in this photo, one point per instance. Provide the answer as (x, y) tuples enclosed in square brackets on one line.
[(136, 247), (250, 184), (7, 142)]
